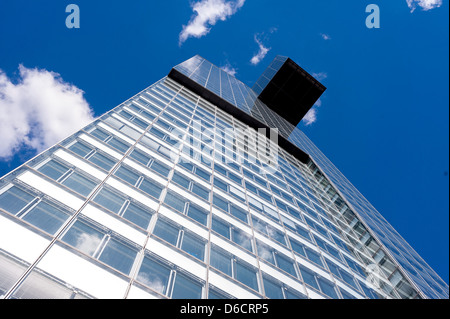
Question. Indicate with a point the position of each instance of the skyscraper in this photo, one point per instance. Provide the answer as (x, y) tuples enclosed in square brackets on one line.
[(200, 187)]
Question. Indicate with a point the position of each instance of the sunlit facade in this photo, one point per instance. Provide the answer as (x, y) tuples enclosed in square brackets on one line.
[(177, 193)]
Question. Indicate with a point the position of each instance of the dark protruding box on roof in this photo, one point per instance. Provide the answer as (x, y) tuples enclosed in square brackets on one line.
[(290, 91)]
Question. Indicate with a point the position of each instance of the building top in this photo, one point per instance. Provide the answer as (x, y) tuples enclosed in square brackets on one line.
[(228, 93), (288, 90), (231, 95)]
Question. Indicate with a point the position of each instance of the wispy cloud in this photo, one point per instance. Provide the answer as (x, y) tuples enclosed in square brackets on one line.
[(258, 57), (229, 69), (311, 116), (207, 13), (38, 110), (325, 36), (424, 4), (320, 76)]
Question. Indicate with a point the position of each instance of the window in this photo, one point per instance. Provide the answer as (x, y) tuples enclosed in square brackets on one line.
[(368, 291), (200, 191), (313, 256), (257, 179), (348, 278), (53, 169), (235, 234), (230, 208), (14, 200), (154, 275), (326, 247), (100, 134), (346, 295), (160, 168), (201, 172), (221, 227), (303, 232), (242, 239), (276, 290), (342, 274), (268, 230), (297, 247), (272, 289), (290, 294), (276, 235), (190, 185), (137, 215), (230, 175), (285, 264), (119, 205), (220, 202), (340, 243), (94, 156), (68, 177), (95, 243), (110, 139), (193, 246), (79, 184), (175, 202), (235, 178), (41, 213), (215, 294), (198, 214), (136, 120), (294, 213), (47, 217), (193, 211), (221, 261), (118, 144), (127, 175), (118, 255), (355, 266), (80, 149), (194, 168), (166, 231), (220, 184), (265, 252), (319, 283), (327, 288), (102, 161), (83, 237), (259, 225), (258, 191), (186, 288), (246, 275), (109, 200), (309, 278), (151, 188), (140, 156), (185, 240), (157, 147), (239, 213)]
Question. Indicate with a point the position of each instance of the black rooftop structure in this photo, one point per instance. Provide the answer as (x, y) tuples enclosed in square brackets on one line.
[(291, 92)]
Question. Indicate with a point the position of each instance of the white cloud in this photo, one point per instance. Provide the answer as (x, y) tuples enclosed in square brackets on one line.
[(258, 57), (208, 12), (311, 116), (320, 76), (325, 36), (424, 4), (38, 110), (229, 69)]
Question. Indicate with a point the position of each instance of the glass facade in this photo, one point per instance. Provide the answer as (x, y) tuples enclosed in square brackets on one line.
[(161, 198)]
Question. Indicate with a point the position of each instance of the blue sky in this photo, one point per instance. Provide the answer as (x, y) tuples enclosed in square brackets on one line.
[(383, 120)]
